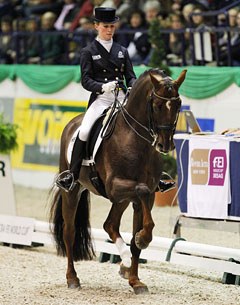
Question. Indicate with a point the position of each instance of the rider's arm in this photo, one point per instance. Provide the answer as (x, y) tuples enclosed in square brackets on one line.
[(87, 77)]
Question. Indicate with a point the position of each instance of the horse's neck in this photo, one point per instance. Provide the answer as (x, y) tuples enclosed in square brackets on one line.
[(137, 106)]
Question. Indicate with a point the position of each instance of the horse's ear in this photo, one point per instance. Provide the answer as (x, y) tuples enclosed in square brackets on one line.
[(154, 80), (181, 78)]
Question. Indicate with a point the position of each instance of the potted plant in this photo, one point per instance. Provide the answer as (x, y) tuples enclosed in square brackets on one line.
[(170, 168), (8, 136)]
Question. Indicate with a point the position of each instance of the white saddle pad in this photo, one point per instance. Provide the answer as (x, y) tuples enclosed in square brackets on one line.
[(96, 146)]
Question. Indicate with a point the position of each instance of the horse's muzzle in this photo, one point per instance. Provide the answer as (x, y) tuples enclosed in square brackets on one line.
[(165, 148)]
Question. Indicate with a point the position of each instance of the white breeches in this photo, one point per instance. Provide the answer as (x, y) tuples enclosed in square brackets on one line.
[(101, 103)]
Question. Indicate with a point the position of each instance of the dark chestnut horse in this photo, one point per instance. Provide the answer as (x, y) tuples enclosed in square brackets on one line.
[(130, 166)]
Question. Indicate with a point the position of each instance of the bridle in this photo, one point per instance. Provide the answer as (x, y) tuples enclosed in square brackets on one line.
[(169, 127), (151, 129)]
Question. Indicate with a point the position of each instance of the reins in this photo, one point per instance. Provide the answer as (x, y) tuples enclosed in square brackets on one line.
[(124, 112), (151, 129)]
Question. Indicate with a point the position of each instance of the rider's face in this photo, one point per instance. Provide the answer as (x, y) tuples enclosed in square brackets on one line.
[(105, 30)]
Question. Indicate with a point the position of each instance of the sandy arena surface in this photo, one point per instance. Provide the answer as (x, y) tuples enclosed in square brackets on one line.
[(37, 275)]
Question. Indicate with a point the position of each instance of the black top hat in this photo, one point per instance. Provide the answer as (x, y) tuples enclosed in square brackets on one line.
[(105, 14)]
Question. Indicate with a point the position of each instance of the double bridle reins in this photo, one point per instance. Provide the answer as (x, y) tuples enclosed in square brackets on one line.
[(152, 129)]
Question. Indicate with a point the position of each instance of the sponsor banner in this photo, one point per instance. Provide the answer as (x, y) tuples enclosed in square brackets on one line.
[(41, 122), (16, 230), (6, 107), (208, 177)]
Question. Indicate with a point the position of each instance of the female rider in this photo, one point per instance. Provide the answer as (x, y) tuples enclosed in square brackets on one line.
[(104, 63)]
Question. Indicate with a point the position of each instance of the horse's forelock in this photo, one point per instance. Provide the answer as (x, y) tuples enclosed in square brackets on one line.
[(145, 76), (144, 79)]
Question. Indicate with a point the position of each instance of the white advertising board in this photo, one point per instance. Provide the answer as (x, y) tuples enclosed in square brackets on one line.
[(16, 230), (7, 201)]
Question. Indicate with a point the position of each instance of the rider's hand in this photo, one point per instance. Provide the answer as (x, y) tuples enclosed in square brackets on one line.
[(109, 87)]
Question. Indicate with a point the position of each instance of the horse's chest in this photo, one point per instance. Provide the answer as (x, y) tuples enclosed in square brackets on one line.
[(135, 162)]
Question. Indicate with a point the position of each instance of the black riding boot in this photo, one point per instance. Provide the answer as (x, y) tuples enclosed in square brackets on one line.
[(166, 186), (69, 180)]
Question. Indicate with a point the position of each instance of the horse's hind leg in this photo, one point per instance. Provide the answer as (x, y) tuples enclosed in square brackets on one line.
[(69, 209), (111, 226)]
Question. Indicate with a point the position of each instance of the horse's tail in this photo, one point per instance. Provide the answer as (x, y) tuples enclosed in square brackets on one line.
[(82, 247)]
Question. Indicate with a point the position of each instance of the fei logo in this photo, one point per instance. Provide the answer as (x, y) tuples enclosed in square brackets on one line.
[(218, 166), (208, 167)]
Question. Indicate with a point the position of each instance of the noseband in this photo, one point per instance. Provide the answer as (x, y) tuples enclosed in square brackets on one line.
[(169, 127)]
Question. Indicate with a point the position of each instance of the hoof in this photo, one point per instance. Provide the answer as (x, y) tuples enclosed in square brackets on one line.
[(140, 289), (124, 272), (73, 283), (140, 243)]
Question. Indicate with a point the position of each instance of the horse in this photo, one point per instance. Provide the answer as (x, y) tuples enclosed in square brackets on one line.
[(129, 165)]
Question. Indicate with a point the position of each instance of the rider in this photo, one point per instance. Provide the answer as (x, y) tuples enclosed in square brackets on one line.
[(104, 64)]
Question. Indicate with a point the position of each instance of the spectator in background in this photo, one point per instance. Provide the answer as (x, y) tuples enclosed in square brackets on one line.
[(225, 38), (152, 10), (177, 42), (152, 13), (136, 43), (176, 6), (7, 43), (235, 47), (39, 7), (67, 15), (83, 35), (104, 3), (32, 45), (86, 10), (197, 20), (122, 9), (51, 45), (187, 11)]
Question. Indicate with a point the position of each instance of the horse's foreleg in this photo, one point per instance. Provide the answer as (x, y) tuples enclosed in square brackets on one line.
[(138, 286), (111, 226), (119, 191), (122, 189), (144, 236), (69, 209)]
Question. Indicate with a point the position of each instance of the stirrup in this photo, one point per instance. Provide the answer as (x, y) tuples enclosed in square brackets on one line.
[(61, 176), (171, 184)]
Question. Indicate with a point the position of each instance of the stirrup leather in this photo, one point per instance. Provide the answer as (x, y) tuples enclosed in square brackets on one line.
[(61, 176)]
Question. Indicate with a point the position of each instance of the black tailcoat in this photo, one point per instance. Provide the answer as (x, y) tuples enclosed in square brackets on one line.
[(98, 66)]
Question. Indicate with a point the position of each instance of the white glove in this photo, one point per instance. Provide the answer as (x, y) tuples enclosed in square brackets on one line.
[(109, 87)]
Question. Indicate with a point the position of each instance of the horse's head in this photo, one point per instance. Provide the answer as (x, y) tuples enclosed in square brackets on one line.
[(165, 106)]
